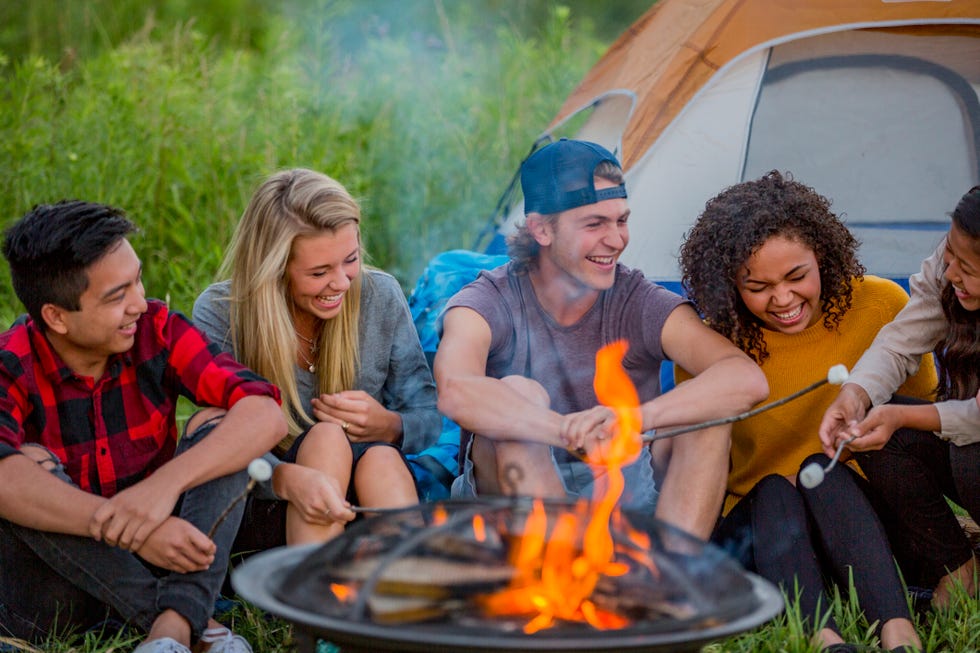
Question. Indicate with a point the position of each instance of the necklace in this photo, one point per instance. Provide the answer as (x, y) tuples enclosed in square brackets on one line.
[(310, 365)]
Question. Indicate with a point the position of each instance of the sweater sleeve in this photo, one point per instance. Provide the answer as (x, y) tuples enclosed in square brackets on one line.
[(408, 387), (897, 350)]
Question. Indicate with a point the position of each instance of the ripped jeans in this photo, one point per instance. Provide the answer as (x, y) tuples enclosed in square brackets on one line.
[(50, 582)]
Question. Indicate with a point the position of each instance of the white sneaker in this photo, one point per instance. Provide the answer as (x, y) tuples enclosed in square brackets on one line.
[(223, 640), (162, 645)]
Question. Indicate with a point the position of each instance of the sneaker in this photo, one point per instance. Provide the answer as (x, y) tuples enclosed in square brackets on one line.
[(223, 640), (162, 645)]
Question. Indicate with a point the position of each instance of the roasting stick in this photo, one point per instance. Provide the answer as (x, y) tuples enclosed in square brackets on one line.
[(259, 471), (813, 474), (836, 375)]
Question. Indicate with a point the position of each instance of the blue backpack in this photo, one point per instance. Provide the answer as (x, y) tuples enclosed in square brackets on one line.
[(436, 466)]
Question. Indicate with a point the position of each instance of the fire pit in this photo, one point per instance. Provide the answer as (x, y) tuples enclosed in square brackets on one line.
[(502, 575)]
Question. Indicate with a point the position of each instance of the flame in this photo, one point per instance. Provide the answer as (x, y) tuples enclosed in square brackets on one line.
[(556, 574), (343, 592), (479, 528)]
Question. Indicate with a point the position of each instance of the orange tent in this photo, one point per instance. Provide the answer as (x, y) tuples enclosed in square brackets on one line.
[(874, 103)]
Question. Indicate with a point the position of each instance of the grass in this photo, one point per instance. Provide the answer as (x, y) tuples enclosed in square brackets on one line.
[(175, 110)]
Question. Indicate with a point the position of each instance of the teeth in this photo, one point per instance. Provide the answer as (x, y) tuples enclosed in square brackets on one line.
[(790, 315), (604, 260), (330, 298)]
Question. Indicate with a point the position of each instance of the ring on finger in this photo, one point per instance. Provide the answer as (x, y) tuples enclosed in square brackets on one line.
[(344, 426)]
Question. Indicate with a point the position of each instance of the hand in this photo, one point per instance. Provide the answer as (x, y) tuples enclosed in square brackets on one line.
[(586, 429), (177, 545), (128, 518), (360, 415), (315, 495), (847, 410), (874, 431)]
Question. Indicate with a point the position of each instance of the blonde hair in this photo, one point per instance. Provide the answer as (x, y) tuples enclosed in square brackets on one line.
[(288, 205)]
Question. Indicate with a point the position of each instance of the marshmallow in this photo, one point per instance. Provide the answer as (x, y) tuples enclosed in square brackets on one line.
[(259, 470), (837, 375)]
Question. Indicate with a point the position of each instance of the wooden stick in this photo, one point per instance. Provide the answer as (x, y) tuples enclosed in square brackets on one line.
[(650, 437)]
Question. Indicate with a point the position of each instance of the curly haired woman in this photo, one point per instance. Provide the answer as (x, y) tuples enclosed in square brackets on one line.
[(771, 268)]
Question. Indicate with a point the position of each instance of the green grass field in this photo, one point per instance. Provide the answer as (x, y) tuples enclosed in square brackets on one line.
[(175, 110)]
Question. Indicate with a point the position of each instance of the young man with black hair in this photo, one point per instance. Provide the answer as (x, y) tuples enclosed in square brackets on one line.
[(517, 358), (89, 385)]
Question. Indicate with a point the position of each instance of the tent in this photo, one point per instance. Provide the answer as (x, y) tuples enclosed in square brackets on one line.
[(872, 102)]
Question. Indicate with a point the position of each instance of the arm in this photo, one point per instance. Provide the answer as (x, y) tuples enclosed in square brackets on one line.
[(396, 401), (34, 498), (695, 465), (726, 381), (249, 429), (477, 402), (897, 350)]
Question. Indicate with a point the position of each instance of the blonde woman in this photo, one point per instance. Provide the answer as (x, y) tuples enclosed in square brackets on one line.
[(297, 306)]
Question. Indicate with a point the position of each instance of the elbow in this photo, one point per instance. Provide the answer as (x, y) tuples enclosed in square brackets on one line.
[(449, 399), (275, 421), (755, 386)]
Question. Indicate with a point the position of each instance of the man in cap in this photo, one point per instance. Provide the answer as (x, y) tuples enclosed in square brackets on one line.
[(516, 362)]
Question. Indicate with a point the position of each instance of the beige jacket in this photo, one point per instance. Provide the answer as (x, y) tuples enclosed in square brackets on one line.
[(898, 348)]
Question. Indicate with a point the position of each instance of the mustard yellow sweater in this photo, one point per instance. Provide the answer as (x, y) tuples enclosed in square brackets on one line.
[(778, 440)]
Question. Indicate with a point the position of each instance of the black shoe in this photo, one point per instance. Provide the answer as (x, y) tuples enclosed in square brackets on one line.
[(841, 648)]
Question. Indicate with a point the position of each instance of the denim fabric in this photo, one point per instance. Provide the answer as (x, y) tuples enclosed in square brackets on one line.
[(51, 581)]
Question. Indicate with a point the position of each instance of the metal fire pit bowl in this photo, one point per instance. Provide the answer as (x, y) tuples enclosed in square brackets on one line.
[(415, 572)]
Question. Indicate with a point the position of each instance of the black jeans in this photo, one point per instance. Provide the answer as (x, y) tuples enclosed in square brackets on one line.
[(50, 581), (801, 538), (911, 477)]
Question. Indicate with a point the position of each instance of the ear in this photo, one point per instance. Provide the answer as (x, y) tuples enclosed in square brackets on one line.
[(54, 318), (539, 228)]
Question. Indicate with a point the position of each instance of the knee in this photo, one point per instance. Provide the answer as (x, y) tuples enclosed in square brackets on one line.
[(386, 455), (203, 417), (780, 498), (529, 389)]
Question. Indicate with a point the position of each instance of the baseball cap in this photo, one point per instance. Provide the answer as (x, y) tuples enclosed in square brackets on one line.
[(560, 176)]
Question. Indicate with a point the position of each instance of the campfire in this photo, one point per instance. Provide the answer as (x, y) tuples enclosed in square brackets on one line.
[(517, 573)]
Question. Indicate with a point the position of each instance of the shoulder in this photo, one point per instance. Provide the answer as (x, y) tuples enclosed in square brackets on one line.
[(878, 291), (15, 348), (634, 285), (214, 295), (381, 283)]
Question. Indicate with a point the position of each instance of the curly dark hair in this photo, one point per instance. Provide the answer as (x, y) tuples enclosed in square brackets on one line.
[(735, 224), (958, 354)]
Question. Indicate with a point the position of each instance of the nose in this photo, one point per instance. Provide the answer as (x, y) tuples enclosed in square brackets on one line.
[(782, 296), (339, 280), (617, 236), (952, 271), (138, 305)]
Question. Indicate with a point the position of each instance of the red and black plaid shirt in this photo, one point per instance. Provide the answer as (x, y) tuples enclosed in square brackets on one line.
[(112, 432)]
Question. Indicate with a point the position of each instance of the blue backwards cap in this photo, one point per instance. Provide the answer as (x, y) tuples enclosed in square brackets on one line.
[(560, 176)]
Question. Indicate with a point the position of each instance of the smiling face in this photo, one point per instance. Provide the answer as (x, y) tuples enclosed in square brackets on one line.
[(319, 273), (581, 246), (105, 322), (780, 285), (963, 268)]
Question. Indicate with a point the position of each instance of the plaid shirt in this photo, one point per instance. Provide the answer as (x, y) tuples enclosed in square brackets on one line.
[(112, 432)]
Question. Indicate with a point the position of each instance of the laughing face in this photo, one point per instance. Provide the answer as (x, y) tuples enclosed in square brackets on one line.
[(105, 322), (320, 271), (963, 268), (780, 285), (583, 244)]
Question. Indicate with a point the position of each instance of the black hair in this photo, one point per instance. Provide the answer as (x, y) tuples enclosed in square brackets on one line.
[(50, 248), (735, 224), (958, 354)]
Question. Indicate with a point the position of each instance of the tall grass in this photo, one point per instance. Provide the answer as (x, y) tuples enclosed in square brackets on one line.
[(426, 129), (175, 114)]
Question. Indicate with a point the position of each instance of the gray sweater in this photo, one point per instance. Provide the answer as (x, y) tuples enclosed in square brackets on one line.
[(393, 368)]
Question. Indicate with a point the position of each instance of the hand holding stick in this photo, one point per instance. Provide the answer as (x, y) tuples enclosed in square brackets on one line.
[(259, 471)]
